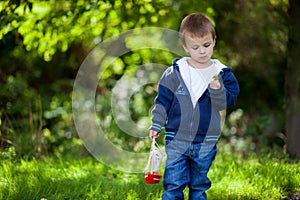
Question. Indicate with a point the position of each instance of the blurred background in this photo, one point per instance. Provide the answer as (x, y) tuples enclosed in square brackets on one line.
[(43, 43)]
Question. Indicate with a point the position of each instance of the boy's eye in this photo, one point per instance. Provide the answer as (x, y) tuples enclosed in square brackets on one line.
[(207, 45), (195, 47)]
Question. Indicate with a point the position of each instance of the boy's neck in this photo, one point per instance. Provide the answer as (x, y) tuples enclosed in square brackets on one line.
[(198, 65)]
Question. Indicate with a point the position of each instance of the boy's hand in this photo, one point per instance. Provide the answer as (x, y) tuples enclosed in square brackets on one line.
[(153, 134), (215, 84)]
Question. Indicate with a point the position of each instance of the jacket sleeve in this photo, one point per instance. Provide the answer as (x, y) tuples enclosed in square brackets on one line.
[(163, 102), (227, 94)]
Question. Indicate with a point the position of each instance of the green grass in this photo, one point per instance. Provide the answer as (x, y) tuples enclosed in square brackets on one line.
[(265, 176), (72, 179)]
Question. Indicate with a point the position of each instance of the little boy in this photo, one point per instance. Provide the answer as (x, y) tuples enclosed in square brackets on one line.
[(191, 94)]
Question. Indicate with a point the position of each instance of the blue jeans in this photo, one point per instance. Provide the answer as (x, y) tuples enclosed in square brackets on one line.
[(187, 165)]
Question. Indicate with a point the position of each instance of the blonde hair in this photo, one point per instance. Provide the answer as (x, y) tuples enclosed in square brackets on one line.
[(196, 25)]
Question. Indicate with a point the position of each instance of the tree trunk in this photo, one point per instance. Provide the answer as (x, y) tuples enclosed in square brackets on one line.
[(292, 80)]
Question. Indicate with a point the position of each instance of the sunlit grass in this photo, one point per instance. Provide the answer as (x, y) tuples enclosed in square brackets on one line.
[(262, 176), (259, 176), (71, 179)]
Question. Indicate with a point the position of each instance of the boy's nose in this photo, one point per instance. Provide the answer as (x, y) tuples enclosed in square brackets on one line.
[(201, 50)]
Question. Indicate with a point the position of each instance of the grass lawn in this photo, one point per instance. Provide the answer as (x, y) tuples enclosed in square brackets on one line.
[(263, 176)]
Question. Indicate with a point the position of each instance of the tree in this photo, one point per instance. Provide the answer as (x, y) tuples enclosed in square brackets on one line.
[(43, 44), (292, 84)]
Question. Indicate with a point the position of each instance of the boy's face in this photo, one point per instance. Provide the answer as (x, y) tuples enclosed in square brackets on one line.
[(200, 49)]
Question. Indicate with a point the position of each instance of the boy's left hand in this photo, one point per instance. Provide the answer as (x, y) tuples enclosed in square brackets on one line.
[(215, 84)]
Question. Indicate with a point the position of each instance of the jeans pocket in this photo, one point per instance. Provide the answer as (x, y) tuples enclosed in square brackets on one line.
[(207, 149)]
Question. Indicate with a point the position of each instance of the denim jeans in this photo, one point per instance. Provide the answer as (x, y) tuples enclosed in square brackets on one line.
[(187, 164)]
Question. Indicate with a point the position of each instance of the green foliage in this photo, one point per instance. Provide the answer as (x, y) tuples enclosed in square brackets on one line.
[(51, 26), (44, 43), (58, 32), (255, 50), (8, 154), (260, 176), (245, 134), (70, 179)]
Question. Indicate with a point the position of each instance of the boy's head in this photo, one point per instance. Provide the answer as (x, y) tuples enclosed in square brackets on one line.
[(196, 26)]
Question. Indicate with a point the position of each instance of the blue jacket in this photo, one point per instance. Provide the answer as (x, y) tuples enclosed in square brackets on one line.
[(174, 109)]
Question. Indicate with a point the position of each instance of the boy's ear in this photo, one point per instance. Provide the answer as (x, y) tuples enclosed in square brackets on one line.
[(215, 41), (185, 48)]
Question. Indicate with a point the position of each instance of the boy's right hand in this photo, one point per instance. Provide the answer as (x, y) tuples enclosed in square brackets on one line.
[(153, 134)]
